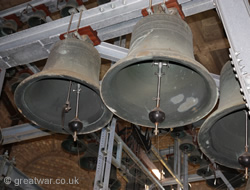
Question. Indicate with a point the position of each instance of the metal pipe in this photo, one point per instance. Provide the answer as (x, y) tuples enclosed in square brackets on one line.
[(185, 168), (138, 162)]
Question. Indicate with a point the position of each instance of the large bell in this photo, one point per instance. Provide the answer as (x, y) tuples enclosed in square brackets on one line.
[(195, 157), (37, 18), (204, 170), (8, 27), (222, 135), (74, 147), (187, 145), (187, 91), (42, 96), (69, 5), (89, 160)]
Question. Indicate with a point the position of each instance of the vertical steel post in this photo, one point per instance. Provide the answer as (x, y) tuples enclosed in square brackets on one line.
[(105, 157), (2, 75), (185, 171)]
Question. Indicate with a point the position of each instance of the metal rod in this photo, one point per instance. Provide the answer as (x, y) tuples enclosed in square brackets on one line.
[(156, 153), (67, 103), (138, 162), (150, 4), (77, 99), (246, 132), (185, 165), (159, 74), (2, 76), (70, 21), (178, 165), (79, 21)]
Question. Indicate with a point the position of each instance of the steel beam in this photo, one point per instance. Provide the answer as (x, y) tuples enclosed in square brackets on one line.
[(185, 170), (235, 16), (156, 153), (138, 162), (104, 157), (196, 6), (22, 132), (111, 52), (109, 20), (224, 179), (14, 178), (191, 178)]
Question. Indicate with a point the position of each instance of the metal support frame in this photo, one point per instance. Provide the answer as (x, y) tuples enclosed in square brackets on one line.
[(14, 178), (191, 178), (177, 159), (22, 132), (235, 16), (224, 179), (185, 171), (156, 153), (110, 20), (104, 157), (138, 162)]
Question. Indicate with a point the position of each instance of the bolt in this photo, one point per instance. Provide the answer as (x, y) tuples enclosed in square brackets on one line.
[(101, 9), (230, 56), (236, 53), (232, 63), (244, 98), (112, 5), (234, 69), (241, 90), (236, 76), (249, 113), (247, 79), (247, 106), (239, 60)]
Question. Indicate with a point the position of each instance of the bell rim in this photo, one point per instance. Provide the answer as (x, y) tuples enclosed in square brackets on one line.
[(80, 150), (185, 61), (206, 127), (22, 107)]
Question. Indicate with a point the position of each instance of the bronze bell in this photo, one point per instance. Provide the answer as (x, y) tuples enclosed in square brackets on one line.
[(235, 178), (89, 160), (8, 27), (204, 170), (195, 157), (42, 97), (178, 132), (223, 134), (74, 147), (37, 18), (69, 5), (187, 91), (187, 145)]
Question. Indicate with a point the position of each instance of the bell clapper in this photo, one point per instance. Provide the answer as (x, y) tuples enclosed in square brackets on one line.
[(66, 107), (67, 103), (244, 159), (157, 116), (75, 125)]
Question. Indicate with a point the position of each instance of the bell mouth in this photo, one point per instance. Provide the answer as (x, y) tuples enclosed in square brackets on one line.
[(216, 134), (42, 96), (35, 21), (187, 89)]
